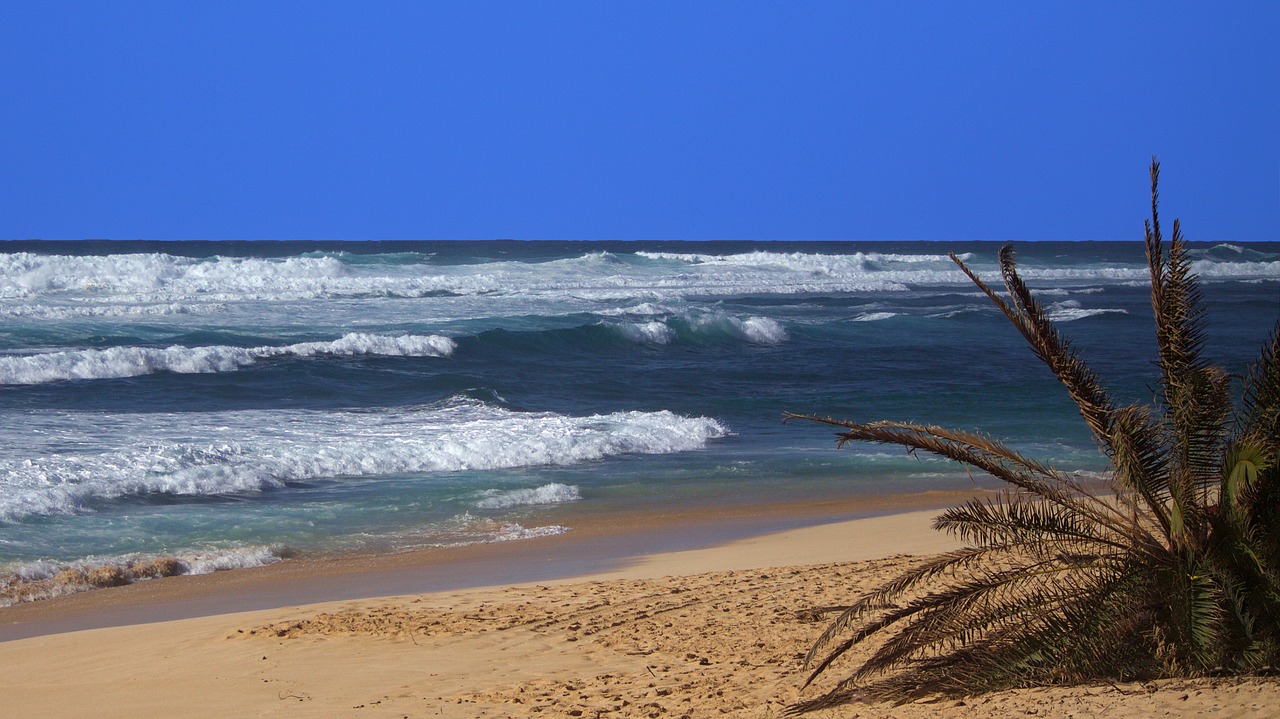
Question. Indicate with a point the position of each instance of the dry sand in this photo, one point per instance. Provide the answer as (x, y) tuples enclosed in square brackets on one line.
[(702, 633)]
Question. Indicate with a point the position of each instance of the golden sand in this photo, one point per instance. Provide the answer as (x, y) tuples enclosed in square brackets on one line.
[(717, 632)]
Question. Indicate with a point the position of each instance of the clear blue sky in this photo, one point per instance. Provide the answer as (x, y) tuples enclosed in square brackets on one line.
[(632, 120)]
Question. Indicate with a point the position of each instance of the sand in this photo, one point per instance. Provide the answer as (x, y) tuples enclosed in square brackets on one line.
[(711, 632)]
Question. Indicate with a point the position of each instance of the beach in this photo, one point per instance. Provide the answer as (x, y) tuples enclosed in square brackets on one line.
[(500, 478), (190, 407), (718, 630), (414, 359)]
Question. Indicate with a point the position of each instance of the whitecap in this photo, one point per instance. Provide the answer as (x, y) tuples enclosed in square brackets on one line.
[(644, 309), (755, 329), (136, 455), (1071, 310), (652, 333), (554, 493), (116, 362), (31, 581), (874, 316)]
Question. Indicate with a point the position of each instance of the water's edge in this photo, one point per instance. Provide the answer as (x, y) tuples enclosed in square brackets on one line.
[(596, 544)]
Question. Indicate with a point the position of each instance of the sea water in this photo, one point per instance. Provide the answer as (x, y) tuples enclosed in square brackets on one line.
[(232, 403)]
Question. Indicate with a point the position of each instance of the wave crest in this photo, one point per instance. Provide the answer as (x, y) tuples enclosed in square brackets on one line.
[(117, 362), (554, 493), (161, 454)]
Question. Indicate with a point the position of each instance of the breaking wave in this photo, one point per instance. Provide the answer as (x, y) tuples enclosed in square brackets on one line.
[(117, 362), (32, 581), (653, 333), (1071, 310), (710, 326), (554, 493), (159, 455), (166, 283)]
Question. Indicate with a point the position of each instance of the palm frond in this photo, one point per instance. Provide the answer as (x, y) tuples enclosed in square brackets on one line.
[(970, 448), (1011, 520), (1260, 410), (1030, 320), (1174, 571)]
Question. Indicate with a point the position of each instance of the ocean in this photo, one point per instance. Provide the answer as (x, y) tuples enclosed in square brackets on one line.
[(227, 404)]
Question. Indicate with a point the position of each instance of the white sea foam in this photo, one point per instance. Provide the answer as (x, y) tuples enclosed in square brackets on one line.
[(756, 330), (554, 493), (37, 311), (802, 261), (1071, 310), (1236, 270), (26, 274), (466, 529), (703, 324), (874, 316), (1233, 252), (761, 330), (69, 462), (117, 362), (1141, 275), (644, 309), (30, 581), (653, 333), (207, 562), (160, 283), (511, 532)]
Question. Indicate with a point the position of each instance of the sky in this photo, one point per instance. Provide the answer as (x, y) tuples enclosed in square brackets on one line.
[(798, 120)]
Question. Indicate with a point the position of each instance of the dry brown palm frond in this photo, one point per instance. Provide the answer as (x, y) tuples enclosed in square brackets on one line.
[(971, 448), (1082, 384), (1140, 446), (1002, 581), (990, 614)]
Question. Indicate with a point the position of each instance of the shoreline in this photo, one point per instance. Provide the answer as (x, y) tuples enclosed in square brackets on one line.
[(713, 631), (597, 543)]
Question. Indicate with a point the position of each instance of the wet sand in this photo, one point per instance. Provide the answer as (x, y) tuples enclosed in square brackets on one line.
[(596, 543)]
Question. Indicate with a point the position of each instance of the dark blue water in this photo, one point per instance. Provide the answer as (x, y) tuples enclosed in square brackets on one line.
[(232, 402)]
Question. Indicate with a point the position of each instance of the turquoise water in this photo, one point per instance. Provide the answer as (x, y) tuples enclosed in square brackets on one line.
[(231, 403)]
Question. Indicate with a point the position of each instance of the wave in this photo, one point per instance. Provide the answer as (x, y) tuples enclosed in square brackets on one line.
[(109, 311), (699, 327), (166, 281), (26, 274), (1234, 253), (33, 581), (554, 493), (644, 309), (652, 333), (117, 362), (874, 316), (713, 326), (466, 529), (756, 330), (1141, 275), (159, 455), (1071, 310), (803, 261)]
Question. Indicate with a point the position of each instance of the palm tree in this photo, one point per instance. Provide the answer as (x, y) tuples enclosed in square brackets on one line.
[(1171, 569)]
